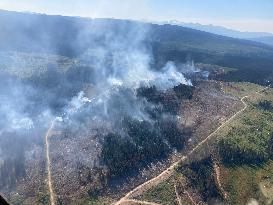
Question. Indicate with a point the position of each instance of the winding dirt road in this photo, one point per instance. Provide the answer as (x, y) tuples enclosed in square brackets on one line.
[(168, 172), (48, 166), (127, 199)]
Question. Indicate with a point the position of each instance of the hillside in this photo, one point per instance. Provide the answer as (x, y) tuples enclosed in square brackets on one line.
[(266, 40), (223, 31), (92, 109), (234, 169), (261, 37), (74, 37)]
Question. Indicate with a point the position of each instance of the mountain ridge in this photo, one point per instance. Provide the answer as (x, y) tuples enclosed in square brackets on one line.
[(74, 37)]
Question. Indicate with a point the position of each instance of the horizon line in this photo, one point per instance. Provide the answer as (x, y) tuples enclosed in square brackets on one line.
[(144, 21)]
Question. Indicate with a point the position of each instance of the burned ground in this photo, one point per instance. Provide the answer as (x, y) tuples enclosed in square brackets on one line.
[(72, 176), (79, 170)]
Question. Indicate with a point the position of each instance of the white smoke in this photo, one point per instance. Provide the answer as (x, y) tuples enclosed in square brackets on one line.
[(23, 123), (169, 77), (166, 78), (121, 65), (78, 101), (13, 102), (125, 58)]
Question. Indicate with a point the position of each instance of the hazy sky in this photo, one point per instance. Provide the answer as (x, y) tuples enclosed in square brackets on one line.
[(244, 15)]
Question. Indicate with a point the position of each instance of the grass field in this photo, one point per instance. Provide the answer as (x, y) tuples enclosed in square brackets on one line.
[(164, 193), (240, 89), (250, 182)]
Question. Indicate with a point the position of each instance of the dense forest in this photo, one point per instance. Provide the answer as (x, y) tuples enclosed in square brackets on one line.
[(146, 140)]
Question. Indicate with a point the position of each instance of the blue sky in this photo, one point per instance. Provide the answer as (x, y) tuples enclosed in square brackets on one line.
[(244, 15)]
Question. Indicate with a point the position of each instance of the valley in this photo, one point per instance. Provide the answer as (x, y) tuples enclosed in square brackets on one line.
[(116, 112)]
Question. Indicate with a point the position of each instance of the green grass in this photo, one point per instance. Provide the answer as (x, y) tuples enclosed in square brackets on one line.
[(163, 193), (241, 89), (242, 182), (215, 68), (249, 133), (249, 137), (92, 202)]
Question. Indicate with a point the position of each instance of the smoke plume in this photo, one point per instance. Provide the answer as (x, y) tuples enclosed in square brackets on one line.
[(89, 92)]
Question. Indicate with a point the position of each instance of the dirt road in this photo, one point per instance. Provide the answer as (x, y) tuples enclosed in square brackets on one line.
[(168, 172), (48, 166)]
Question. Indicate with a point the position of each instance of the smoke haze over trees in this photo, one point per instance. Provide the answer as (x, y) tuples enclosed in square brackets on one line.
[(112, 88), (91, 91)]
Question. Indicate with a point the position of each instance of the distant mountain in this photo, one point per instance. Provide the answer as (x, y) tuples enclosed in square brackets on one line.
[(263, 37), (75, 36), (266, 39), (72, 36)]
